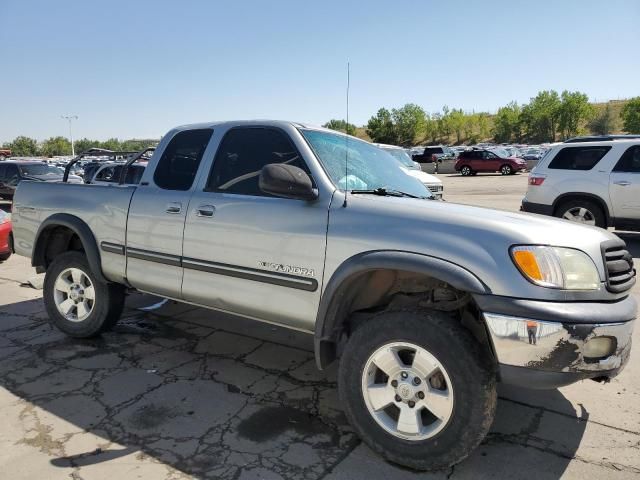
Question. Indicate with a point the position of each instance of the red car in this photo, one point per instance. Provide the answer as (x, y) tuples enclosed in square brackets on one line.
[(474, 161), (6, 237)]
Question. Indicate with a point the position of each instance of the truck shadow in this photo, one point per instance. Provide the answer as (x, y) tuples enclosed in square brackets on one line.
[(215, 396)]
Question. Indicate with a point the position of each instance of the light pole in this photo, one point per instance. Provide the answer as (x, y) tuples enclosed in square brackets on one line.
[(69, 118)]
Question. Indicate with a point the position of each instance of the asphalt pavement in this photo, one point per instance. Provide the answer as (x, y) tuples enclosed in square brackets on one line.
[(179, 392)]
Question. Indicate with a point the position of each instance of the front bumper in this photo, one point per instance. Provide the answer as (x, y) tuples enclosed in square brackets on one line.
[(539, 352)]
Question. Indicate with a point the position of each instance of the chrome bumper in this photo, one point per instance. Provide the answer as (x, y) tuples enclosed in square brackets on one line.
[(556, 346)]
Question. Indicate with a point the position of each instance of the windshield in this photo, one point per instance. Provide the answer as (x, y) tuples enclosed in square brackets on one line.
[(38, 169), (369, 166), (401, 156), (501, 152)]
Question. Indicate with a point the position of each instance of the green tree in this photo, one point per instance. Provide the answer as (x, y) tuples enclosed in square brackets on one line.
[(540, 117), (574, 111), (456, 122), (469, 128), (56, 146), (341, 126), (630, 115), (23, 147), (380, 127), (483, 125), (111, 144), (135, 145), (506, 124), (603, 122), (85, 144), (409, 123)]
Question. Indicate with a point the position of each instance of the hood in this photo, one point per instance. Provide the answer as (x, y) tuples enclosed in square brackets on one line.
[(424, 177), (476, 238)]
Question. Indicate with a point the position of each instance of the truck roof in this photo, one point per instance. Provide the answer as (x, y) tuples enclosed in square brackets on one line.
[(239, 123)]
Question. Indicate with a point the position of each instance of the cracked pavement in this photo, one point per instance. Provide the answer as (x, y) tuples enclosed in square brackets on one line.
[(180, 392)]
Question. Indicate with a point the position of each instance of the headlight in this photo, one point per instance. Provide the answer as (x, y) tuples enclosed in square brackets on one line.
[(556, 267)]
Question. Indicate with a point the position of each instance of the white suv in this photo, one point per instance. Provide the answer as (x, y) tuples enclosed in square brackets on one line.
[(433, 183), (592, 180)]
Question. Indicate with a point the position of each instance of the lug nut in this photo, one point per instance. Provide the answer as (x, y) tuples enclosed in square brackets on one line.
[(404, 375), (398, 399), (394, 383), (420, 395), (417, 381), (412, 404)]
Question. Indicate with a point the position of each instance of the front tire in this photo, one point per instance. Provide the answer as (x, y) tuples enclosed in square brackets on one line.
[(417, 388), (77, 303)]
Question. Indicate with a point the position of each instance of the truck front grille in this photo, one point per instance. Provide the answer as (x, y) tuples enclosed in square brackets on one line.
[(436, 188), (621, 275)]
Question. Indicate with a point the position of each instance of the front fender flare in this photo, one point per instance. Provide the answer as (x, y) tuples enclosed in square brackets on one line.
[(80, 228), (328, 321)]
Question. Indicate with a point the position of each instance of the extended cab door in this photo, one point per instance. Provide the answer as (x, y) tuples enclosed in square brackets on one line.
[(624, 188), (157, 213), (250, 253)]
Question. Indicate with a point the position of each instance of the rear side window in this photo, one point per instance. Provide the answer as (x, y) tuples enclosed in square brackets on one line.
[(241, 156), (578, 158), (630, 161), (179, 163)]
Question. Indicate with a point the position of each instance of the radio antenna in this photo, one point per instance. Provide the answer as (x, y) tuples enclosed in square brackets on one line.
[(346, 150)]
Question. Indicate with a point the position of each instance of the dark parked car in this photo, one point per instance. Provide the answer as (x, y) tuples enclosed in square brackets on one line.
[(430, 153), (13, 172), (471, 162)]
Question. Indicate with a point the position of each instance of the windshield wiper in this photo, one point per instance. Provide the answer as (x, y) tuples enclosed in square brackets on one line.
[(385, 192)]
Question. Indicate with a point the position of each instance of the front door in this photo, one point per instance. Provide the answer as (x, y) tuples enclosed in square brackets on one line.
[(624, 186), (247, 252), (157, 213)]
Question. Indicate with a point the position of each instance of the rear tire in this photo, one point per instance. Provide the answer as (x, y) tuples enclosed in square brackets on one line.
[(466, 171), (448, 418), (77, 303), (582, 211)]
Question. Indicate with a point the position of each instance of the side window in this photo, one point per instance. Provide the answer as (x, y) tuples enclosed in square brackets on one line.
[(12, 175), (242, 154), (179, 163), (578, 158), (630, 161), (3, 173)]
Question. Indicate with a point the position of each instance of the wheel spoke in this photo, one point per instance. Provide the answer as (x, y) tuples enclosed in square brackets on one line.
[(568, 216), (62, 285), (83, 309), (77, 275), (387, 360), (380, 396), (423, 364), (582, 212), (67, 306), (438, 402), (409, 420), (89, 293)]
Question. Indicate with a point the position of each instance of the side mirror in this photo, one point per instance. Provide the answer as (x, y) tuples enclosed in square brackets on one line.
[(287, 181)]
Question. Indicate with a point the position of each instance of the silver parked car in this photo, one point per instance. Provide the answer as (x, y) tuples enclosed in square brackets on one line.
[(425, 304)]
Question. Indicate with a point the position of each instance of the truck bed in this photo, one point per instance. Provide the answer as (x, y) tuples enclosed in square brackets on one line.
[(103, 208)]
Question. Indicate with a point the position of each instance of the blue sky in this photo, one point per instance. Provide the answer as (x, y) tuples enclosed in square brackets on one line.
[(137, 68)]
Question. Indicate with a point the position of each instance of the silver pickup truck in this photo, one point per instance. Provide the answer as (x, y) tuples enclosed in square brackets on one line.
[(425, 304)]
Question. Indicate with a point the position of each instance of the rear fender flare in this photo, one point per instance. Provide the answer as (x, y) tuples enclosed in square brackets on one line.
[(80, 228)]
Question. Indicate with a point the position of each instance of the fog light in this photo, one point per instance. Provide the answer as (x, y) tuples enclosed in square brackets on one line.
[(598, 347)]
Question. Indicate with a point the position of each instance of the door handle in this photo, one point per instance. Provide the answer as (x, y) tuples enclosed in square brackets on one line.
[(622, 183), (174, 207), (205, 211)]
